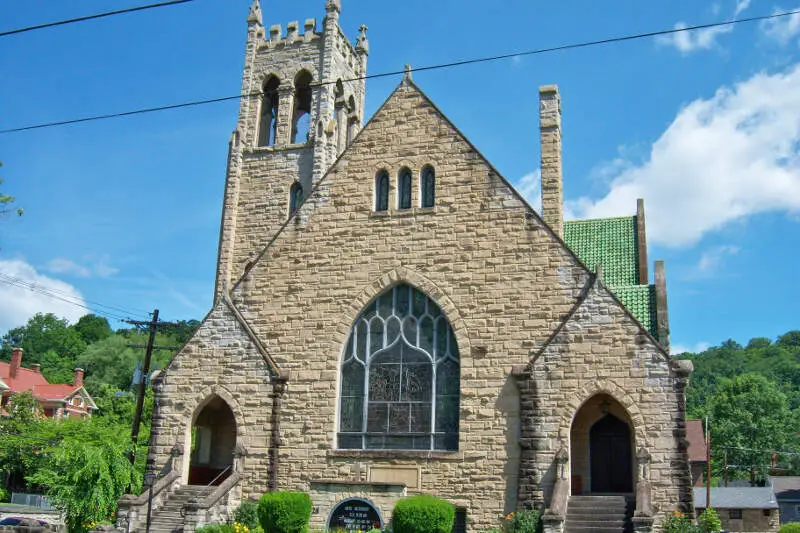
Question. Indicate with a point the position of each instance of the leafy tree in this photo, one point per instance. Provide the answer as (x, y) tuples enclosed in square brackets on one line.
[(6, 201), (87, 472), (20, 440), (92, 328), (184, 330), (43, 332), (751, 417), (758, 342), (790, 339)]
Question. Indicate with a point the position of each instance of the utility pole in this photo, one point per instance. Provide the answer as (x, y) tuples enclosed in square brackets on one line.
[(137, 416), (708, 466), (726, 468)]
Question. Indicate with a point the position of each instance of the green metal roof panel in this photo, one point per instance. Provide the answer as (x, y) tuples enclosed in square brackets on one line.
[(610, 242), (641, 302)]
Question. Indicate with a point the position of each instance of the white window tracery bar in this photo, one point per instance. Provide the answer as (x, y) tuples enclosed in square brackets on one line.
[(400, 376)]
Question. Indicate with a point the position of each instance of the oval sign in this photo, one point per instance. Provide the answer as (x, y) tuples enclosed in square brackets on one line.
[(354, 514)]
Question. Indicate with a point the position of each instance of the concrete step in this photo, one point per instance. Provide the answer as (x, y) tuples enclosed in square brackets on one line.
[(604, 516)]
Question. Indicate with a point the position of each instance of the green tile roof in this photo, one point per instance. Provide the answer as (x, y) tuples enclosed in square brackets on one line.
[(613, 243), (641, 302), (610, 242)]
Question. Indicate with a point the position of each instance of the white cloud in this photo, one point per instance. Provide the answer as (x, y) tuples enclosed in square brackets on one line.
[(96, 267), (723, 159), (17, 278), (530, 187), (700, 39), (783, 29), (677, 349), (712, 259)]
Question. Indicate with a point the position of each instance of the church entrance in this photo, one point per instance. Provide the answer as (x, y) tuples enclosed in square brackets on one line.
[(213, 441), (610, 455), (602, 444)]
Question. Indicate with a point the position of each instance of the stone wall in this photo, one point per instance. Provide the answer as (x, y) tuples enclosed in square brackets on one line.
[(752, 520)]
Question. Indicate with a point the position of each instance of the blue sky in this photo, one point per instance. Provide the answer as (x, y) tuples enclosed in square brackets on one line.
[(704, 125)]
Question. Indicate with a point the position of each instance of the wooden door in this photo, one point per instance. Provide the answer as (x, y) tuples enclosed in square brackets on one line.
[(610, 456)]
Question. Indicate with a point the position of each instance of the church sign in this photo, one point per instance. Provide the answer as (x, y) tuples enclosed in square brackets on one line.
[(353, 515)]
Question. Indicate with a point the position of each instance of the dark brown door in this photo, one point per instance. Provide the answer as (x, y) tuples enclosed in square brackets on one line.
[(610, 455)]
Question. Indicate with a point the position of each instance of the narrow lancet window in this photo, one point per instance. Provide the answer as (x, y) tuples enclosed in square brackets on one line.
[(295, 197), (427, 186), (404, 189), (268, 121), (301, 114), (382, 191)]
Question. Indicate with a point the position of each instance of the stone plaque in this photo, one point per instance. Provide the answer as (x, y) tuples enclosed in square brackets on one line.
[(353, 515)]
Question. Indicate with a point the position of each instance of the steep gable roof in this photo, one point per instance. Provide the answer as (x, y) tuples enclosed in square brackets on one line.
[(25, 380)]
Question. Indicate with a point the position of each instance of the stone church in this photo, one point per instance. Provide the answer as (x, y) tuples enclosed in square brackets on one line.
[(391, 317)]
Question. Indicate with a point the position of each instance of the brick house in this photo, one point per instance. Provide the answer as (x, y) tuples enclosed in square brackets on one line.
[(56, 400), (391, 317)]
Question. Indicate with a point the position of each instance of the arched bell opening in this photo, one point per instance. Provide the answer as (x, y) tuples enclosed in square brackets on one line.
[(213, 439), (602, 446)]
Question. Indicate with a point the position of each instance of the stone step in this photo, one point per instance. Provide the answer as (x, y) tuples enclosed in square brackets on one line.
[(594, 523), (568, 529), (604, 516)]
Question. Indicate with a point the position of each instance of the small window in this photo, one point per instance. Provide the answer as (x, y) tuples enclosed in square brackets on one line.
[(735, 514), (428, 186), (382, 191), (268, 121), (301, 119), (404, 189), (295, 197), (460, 522)]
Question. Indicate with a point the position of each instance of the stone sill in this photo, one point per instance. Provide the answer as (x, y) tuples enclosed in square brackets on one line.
[(403, 212), (415, 455), (352, 482)]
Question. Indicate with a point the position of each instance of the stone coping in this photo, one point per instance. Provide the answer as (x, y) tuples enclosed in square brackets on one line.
[(414, 455)]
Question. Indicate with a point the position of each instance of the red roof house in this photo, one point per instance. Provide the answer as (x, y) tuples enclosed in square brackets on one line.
[(55, 400)]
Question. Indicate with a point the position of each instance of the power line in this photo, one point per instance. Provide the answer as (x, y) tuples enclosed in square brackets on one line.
[(559, 48), (92, 17), (32, 284), (45, 292)]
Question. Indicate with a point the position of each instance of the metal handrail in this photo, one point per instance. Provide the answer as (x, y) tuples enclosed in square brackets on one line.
[(218, 475)]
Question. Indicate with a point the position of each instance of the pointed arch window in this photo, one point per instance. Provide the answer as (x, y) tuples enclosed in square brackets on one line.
[(268, 120), (295, 197), (382, 191), (404, 189), (400, 376), (427, 186), (301, 114)]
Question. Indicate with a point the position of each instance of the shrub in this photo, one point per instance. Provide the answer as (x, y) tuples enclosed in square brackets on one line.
[(5, 496), (525, 521), (423, 514), (709, 522), (284, 512), (790, 527), (247, 514)]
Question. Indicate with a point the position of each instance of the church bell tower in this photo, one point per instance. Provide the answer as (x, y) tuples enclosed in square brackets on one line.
[(302, 104)]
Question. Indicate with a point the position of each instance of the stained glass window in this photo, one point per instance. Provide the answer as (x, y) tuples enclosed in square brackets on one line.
[(382, 191), (427, 186), (400, 376), (404, 189)]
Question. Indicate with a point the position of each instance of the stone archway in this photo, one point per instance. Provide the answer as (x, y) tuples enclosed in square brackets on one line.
[(213, 439), (602, 442)]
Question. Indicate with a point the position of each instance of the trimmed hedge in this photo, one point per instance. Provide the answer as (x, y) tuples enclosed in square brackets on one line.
[(423, 514), (790, 527), (284, 512), (247, 514)]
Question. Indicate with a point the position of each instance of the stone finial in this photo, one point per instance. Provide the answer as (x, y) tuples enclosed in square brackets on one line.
[(292, 31), (254, 17), (682, 367), (362, 44), (550, 139), (309, 28), (333, 5), (407, 75), (275, 33)]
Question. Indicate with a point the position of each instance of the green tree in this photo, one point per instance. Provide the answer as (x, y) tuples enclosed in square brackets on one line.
[(750, 417), (43, 332), (92, 328), (87, 471), (6, 201), (20, 439)]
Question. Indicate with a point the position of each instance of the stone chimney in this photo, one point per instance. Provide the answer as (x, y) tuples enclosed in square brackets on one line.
[(36, 367), (78, 381), (16, 362), (550, 135)]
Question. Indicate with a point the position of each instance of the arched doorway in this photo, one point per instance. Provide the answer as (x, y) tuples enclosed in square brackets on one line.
[(213, 440), (602, 444)]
